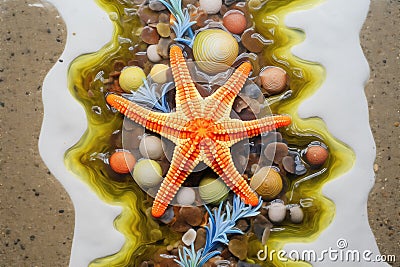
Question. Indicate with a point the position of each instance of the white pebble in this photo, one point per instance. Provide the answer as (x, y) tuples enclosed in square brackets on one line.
[(276, 212), (151, 147), (296, 214), (186, 196), (189, 237), (152, 53), (211, 6)]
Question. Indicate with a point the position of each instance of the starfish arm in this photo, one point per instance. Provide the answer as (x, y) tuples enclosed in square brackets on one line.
[(157, 122), (219, 104), (185, 158), (218, 157), (187, 97), (233, 130)]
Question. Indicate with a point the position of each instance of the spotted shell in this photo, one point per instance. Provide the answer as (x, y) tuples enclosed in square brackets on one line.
[(213, 190), (215, 50), (267, 182), (316, 154)]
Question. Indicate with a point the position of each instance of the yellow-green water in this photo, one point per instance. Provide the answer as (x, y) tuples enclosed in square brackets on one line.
[(305, 79)]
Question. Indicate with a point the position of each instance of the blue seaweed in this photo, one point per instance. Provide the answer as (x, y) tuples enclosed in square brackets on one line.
[(148, 96), (182, 25), (220, 224)]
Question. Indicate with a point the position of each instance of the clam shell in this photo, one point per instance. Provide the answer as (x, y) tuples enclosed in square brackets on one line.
[(215, 50), (267, 182), (213, 190)]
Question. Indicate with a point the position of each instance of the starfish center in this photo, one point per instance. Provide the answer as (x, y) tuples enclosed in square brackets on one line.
[(199, 128)]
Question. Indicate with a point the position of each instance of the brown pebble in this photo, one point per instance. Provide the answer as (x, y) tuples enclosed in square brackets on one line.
[(169, 262), (226, 254), (274, 80), (316, 155), (396, 124), (116, 139), (180, 225), (189, 2), (259, 224), (163, 47), (163, 29), (119, 65), (131, 139), (238, 248), (252, 41), (163, 18), (141, 59), (147, 16), (276, 152), (243, 225), (149, 35), (288, 164), (198, 15), (200, 241), (272, 137), (191, 215)]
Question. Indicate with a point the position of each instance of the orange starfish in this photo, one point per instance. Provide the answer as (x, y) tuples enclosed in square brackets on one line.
[(201, 129)]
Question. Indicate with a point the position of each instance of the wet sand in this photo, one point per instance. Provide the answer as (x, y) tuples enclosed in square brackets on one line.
[(36, 215)]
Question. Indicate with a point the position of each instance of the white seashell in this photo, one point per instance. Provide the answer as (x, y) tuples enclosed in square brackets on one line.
[(296, 214), (211, 6), (276, 212), (215, 50), (189, 237), (152, 54), (186, 196)]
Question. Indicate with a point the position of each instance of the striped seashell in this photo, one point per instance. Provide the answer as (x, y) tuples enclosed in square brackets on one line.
[(215, 50), (213, 190), (267, 182)]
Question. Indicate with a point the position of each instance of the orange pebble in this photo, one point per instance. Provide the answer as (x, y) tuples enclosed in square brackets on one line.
[(316, 155), (122, 162), (235, 21)]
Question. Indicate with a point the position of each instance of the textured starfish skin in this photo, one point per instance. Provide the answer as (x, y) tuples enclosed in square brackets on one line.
[(201, 129)]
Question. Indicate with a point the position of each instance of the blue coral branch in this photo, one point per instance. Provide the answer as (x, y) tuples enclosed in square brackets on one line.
[(147, 96), (183, 24), (220, 224)]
